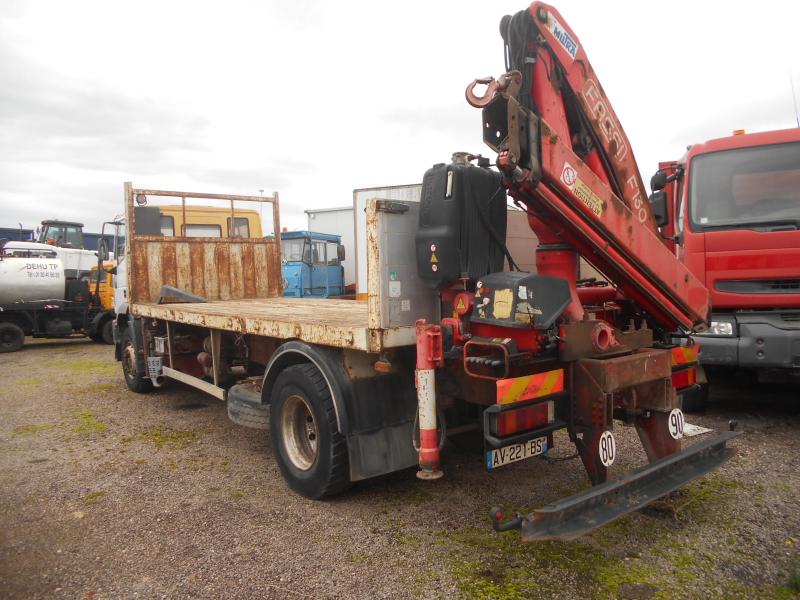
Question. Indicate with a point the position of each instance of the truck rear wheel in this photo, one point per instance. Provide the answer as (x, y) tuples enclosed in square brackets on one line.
[(136, 383), (11, 337), (311, 453)]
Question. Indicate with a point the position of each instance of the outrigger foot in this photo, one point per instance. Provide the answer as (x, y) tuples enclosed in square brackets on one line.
[(579, 514)]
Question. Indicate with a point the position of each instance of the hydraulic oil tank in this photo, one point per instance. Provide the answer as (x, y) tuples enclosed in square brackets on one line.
[(462, 223), (30, 279)]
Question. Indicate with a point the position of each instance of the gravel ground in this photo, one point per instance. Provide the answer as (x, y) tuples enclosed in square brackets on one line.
[(108, 494)]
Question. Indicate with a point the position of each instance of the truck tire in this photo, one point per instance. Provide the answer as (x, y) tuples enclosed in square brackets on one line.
[(245, 408), (134, 381), (695, 400), (311, 453), (107, 332), (11, 337)]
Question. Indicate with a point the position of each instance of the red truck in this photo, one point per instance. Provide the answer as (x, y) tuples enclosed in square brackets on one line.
[(730, 209)]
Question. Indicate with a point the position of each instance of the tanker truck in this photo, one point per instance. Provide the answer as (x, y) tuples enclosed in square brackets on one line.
[(68, 239), (38, 297)]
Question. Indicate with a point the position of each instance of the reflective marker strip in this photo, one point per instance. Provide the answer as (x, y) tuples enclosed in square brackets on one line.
[(528, 387), (684, 378), (684, 355), (526, 418)]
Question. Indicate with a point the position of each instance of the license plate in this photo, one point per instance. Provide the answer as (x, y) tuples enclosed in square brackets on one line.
[(515, 452)]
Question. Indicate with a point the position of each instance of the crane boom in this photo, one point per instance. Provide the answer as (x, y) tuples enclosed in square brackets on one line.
[(567, 160)]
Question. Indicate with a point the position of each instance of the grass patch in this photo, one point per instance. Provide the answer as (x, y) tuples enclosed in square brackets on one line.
[(96, 387), (88, 423), (33, 429), (237, 494), (793, 582), (162, 437), (501, 566), (27, 381), (411, 497), (85, 365), (93, 498), (477, 581), (403, 539), (508, 569)]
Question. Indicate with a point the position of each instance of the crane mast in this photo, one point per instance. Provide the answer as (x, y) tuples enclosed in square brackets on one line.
[(567, 160)]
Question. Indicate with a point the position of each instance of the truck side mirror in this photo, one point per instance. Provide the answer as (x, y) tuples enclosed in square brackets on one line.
[(340, 252), (658, 204), (658, 181), (102, 251)]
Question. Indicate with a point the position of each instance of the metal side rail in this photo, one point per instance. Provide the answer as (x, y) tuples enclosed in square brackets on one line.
[(579, 514)]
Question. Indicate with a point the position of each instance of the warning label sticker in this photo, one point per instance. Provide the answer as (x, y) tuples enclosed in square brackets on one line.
[(569, 176)]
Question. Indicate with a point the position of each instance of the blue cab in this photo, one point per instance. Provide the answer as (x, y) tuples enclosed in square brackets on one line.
[(312, 264)]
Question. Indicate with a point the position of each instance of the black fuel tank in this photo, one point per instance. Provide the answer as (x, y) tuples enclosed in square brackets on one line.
[(462, 223)]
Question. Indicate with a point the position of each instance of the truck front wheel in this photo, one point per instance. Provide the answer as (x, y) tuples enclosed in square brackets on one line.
[(11, 337), (311, 453), (107, 332), (136, 383)]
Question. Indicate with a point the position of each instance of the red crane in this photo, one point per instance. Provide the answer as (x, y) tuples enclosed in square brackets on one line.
[(562, 355)]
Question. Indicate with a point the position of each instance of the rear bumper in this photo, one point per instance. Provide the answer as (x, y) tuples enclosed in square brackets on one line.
[(763, 341), (577, 515)]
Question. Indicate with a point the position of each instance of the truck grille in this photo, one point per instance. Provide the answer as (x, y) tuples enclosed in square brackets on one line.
[(759, 286)]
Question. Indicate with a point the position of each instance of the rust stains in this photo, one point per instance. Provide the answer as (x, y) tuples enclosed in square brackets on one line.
[(248, 271), (183, 267), (197, 269), (169, 267), (222, 258)]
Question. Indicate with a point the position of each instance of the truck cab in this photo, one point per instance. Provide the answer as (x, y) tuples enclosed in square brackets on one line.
[(312, 264), (731, 211), (64, 234)]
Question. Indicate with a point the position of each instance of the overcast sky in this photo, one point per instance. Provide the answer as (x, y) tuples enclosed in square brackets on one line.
[(316, 99)]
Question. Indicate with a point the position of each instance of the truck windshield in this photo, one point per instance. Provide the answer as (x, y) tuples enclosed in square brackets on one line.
[(296, 250), (746, 187), (67, 236)]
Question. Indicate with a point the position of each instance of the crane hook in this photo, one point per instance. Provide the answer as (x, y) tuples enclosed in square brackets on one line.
[(480, 101), (507, 82)]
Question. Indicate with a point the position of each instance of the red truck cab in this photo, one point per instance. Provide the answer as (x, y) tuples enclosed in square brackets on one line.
[(730, 209)]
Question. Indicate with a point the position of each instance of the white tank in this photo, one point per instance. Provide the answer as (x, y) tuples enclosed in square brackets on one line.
[(25, 279)]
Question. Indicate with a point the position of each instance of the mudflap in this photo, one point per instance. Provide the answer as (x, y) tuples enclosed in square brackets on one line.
[(579, 514)]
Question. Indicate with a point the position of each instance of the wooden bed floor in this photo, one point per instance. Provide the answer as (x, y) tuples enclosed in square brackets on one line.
[(341, 313), (341, 323)]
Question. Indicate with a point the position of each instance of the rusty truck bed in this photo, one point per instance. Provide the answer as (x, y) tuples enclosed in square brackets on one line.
[(340, 323), (241, 281)]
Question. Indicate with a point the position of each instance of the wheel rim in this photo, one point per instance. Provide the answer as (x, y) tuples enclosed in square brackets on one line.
[(8, 337), (299, 432), (129, 360)]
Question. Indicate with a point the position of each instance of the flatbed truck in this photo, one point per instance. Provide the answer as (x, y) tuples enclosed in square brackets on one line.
[(446, 341)]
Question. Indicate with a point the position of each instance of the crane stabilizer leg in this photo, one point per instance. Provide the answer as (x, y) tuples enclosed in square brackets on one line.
[(579, 514)]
